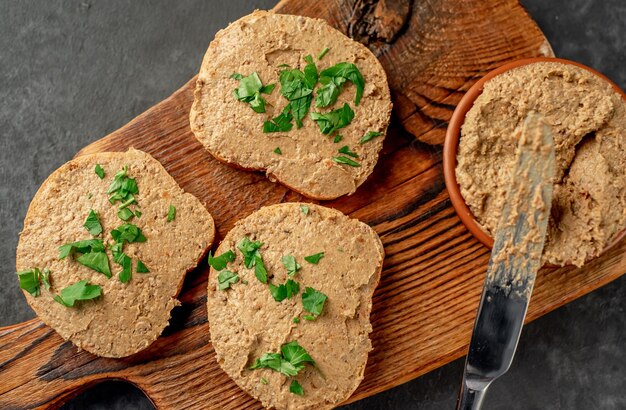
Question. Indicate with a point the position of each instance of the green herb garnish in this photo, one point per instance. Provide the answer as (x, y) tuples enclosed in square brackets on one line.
[(125, 214), (289, 262), (30, 280), (138, 214), (285, 291), (127, 232), (313, 301), (289, 361), (333, 79), (92, 255), (86, 246), (304, 209), (315, 258), (296, 320), (337, 138), (123, 188), (323, 53), (297, 87), (252, 258), (250, 90), (264, 380), (225, 279), (92, 223), (171, 213), (278, 151), (141, 267), (219, 262), (81, 290), (97, 261), (99, 171), (346, 150), (333, 120), (280, 123), (296, 388), (346, 161), (125, 261), (370, 135)]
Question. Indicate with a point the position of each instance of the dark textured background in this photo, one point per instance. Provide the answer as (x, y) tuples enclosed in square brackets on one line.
[(73, 71)]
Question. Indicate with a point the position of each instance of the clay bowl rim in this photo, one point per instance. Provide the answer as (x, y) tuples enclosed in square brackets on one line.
[(453, 136)]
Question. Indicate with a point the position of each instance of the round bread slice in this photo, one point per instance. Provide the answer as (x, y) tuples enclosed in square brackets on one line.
[(129, 316), (246, 321), (302, 158)]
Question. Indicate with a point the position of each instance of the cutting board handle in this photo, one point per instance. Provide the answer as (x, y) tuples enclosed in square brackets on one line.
[(31, 359)]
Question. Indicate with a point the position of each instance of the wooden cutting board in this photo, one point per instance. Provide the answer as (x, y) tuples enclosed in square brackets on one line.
[(425, 304)]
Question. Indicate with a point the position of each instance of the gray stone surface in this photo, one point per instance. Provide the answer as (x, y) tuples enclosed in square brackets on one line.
[(73, 71)]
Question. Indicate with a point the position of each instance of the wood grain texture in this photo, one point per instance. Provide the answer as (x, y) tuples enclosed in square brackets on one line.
[(425, 304)]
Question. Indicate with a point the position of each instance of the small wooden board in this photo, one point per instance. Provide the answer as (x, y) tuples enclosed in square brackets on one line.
[(425, 304)]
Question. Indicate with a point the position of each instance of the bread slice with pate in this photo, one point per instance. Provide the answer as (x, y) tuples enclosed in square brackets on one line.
[(289, 300), (106, 243)]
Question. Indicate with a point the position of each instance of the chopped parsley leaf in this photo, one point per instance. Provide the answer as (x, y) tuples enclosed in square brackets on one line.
[(92, 223), (171, 213), (280, 123), (44, 276), (125, 214), (264, 380), (315, 258), (370, 135), (86, 246), (285, 291), (337, 138), (92, 255), (141, 267), (225, 279), (125, 261), (250, 90), (123, 188), (30, 280), (138, 214), (81, 290), (252, 258), (296, 388), (323, 53), (278, 151), (289, 262), (313, 301), (248, 248), (297, 87), (304, 209), (346, 161), (346, 150), (99, 171), (127, 232), (97, 261), (219, 262), (333, 120), (259, 268), (296, 320), (333, 79), (289, 361)]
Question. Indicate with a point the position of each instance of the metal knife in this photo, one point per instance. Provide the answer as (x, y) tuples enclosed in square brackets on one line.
[(513, 265)]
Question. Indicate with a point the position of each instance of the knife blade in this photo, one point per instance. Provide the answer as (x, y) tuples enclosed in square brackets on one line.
[(515, 259)]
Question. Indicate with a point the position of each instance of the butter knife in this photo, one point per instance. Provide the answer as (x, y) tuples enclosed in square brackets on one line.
[(515, 259)]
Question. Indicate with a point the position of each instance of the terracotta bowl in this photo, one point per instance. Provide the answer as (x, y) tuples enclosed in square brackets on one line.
[(453, 135)]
